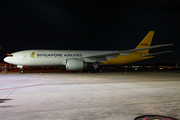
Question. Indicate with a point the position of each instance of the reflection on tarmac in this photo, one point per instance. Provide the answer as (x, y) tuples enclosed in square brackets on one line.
[(110, 95)]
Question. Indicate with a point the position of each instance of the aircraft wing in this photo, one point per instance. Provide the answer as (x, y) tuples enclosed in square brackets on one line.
[(139, 49), (109, 55), (102, 57)]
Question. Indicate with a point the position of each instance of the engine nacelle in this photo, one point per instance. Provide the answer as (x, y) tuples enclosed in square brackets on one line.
[(74, 64)]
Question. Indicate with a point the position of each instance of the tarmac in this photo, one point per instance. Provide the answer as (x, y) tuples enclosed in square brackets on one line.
[(89, 96)]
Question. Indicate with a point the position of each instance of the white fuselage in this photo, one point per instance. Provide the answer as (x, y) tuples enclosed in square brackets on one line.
[(49, 57)]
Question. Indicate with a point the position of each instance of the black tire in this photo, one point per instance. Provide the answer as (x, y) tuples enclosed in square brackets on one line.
[(152, 117), (21, 71)]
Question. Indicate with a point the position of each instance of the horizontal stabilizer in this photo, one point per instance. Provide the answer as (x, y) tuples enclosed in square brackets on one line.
[(152, 54)]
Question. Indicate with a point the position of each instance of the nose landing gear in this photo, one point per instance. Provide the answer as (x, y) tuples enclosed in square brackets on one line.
[(21, 69)]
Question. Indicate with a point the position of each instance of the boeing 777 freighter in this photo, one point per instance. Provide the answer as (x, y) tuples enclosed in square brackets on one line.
[(79, 59)]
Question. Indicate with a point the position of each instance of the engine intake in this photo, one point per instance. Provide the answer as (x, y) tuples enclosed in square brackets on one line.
[(74, 64)]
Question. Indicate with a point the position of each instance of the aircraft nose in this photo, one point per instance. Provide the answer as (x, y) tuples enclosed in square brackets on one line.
[(8, 59)]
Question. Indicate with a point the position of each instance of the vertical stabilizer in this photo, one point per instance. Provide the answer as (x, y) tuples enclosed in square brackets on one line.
[(146, 42)]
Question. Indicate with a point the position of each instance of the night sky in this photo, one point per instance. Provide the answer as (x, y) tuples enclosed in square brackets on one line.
[(89, 25)]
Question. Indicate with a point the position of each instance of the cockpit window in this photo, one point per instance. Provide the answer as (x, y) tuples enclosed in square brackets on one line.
[(9, 55)]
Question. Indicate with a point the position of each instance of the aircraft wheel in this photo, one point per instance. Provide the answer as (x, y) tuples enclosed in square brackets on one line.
[(21, 71)]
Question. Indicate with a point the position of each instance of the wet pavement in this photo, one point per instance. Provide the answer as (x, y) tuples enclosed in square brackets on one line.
[(89, 96)]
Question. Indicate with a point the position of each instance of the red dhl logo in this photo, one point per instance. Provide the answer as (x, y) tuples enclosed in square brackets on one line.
[(144, 44)]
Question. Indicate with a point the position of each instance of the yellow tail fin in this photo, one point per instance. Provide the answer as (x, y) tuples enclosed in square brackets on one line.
[(146, 42)]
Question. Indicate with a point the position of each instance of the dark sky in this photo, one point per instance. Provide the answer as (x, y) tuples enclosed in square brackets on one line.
[(89, 25)]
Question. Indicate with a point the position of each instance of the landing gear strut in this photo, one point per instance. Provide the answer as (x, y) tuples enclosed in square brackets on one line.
[(95, 65), (21, 69)]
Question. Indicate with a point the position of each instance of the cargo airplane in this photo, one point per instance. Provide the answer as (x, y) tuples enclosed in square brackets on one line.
[(79, 59)]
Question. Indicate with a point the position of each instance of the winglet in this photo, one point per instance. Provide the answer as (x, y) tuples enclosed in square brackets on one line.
[(146, 42)]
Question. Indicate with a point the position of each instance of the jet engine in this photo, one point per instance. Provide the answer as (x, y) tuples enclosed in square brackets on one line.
[(75, 64)]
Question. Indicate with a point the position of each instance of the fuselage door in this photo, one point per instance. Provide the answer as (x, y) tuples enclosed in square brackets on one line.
[(24, 56)]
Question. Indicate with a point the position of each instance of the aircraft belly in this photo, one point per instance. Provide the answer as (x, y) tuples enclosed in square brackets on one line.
[(124, 59), (127, 59)]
